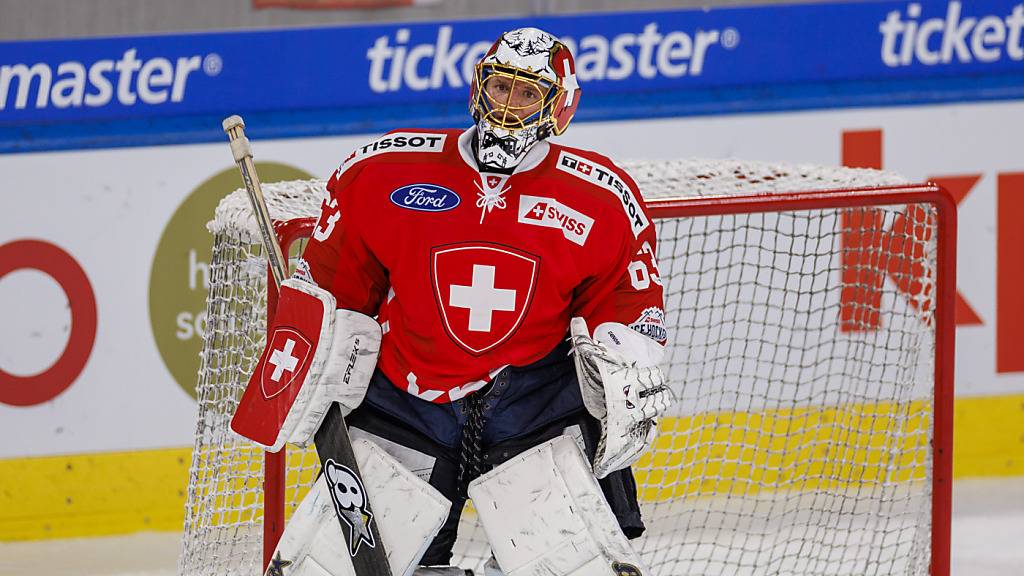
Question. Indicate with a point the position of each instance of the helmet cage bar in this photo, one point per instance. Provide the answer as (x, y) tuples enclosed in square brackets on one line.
[(502, 114)]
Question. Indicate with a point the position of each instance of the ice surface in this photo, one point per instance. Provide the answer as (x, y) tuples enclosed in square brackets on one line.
[(988, 540)]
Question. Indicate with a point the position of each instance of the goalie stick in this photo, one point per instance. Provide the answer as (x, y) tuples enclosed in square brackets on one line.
[(332, 440)]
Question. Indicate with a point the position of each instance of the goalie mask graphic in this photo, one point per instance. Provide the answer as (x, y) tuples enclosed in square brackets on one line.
[(349, 498), (524, 90)]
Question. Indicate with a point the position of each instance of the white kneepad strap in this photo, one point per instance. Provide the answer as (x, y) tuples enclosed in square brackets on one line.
[(408, 512), (544, 513)]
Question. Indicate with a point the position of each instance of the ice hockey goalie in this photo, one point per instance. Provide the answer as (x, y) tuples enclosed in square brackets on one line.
[(516, 288)]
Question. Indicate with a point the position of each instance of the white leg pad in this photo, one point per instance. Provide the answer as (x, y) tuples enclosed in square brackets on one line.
[(408, 512), (544, 514)]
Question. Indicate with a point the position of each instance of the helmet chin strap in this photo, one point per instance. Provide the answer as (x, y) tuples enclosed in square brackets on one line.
[(502, 150)]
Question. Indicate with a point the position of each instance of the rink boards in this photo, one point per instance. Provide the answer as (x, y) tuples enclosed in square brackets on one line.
[(117, 235)]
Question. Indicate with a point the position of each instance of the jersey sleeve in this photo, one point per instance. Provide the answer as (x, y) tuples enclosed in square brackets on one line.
[(630, 290), (337, 257)]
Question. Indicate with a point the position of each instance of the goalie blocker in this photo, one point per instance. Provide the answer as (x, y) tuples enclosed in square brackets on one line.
[(315, 355)]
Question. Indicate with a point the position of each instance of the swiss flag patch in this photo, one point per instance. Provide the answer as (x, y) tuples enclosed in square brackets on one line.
[(483, 292), (282, 368), (289, 357)]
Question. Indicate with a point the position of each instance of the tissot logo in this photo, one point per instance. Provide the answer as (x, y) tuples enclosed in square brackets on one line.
[(605, 178), (425, 198), (394, 142)]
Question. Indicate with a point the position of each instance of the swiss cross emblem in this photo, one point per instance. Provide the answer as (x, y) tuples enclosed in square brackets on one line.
[(482, 292), (537, 212), (584, 167), (493, 181), (286, 359)]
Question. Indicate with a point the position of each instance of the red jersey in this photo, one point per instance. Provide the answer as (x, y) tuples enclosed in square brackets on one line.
[(470, 271)]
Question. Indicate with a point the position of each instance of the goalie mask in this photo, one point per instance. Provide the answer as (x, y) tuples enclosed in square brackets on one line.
[(523, 91)]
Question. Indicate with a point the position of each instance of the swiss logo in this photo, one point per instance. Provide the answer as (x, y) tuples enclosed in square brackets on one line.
[(287, 358), (537, 212), (550, 213), (483, 292), (425, 198)]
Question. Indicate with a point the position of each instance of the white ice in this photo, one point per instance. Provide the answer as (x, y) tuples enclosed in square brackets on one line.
[(988, 540)]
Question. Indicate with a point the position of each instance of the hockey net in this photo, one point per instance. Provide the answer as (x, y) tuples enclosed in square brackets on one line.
[(810, 318)]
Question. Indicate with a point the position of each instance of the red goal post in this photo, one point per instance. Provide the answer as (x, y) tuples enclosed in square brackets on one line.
[(729, 466)]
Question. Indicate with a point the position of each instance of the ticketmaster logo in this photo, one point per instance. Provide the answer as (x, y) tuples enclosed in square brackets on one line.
[(939, 40), (73, 84), (395, 64)]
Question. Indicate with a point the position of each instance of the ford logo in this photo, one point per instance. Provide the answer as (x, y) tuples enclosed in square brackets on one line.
[(425, 198)]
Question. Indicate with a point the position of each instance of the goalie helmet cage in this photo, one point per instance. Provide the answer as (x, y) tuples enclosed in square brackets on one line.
[(810, 314)]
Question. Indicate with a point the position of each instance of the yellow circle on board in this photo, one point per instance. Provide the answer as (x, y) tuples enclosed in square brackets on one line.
[(179, 279)]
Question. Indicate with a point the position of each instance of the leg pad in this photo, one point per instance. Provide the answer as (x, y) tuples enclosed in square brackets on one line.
[(408, 512), (544, 513)]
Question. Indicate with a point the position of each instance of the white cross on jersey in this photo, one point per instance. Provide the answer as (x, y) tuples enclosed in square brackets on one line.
[(482, 298), (283, 360)]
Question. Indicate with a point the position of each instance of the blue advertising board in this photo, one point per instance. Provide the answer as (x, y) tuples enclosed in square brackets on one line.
[(149, 90)]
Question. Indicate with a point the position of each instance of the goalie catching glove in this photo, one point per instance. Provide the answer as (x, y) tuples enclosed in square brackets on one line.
[(623, 387), (315, 355)]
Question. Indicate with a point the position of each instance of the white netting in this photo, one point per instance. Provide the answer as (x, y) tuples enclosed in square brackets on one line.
[(802, 356)]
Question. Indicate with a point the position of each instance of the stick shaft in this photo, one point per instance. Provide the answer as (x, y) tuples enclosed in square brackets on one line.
[(332, 440), (235, 129)]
